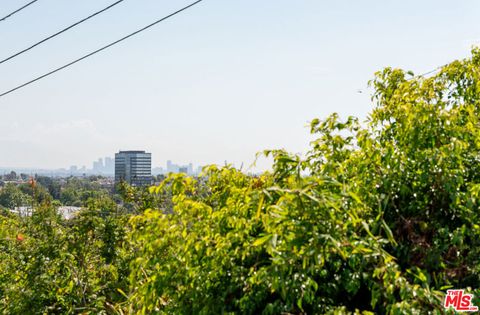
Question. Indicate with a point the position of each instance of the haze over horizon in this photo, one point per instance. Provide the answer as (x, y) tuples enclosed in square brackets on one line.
[(221, 81)]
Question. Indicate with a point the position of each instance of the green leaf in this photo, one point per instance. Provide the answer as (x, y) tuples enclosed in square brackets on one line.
[(262, 240)]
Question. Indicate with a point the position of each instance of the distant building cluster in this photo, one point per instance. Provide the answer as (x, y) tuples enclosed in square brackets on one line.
[(126, 165), (135, 168), (104, 168), (175, 168), (100, 167), (13, 178)]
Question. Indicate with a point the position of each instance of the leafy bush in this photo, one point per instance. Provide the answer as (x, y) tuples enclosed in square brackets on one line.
[(376, 218), (49, 266)]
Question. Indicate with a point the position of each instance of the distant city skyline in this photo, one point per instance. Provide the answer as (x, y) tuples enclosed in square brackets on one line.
[(103, 166)]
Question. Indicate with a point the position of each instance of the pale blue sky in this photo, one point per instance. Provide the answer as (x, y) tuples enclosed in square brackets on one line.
[(219, 82)]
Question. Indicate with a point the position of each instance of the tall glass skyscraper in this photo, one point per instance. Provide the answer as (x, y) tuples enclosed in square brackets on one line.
[(133, 167)]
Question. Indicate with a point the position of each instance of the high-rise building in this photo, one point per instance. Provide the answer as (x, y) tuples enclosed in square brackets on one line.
[(109, 166), (171, 168), (98, 166), (133, 167)]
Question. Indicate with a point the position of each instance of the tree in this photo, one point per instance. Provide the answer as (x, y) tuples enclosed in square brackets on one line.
[(36, 191), (52, 185), (11, 197), (11, 176)]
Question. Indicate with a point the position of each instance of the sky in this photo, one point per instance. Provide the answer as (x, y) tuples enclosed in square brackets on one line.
[(219, 82)]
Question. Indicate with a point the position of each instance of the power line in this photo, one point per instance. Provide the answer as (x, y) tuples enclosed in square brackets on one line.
[(101, 49), (418, 76), (17, 10), (60, 32), (423, 75), (431, 71)]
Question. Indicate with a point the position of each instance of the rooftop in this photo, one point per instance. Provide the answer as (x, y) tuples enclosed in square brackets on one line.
[(132, 151)]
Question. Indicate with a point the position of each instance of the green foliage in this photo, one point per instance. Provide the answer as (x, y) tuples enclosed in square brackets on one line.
[(380, 217), (51, 185), (77, 191), (139, 199), (273, 244), (11, 197), (38, 194), (49, 266)]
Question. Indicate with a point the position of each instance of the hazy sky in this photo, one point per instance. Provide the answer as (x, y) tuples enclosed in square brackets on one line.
[(219, 82)]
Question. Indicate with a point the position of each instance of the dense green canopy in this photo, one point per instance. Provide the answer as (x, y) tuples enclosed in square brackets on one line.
[(377, 217)]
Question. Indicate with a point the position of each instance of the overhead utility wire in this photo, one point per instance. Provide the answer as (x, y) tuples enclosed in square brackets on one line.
[(101, 49), (18, 10), (431, 71), (60, 32), (423, 75)]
